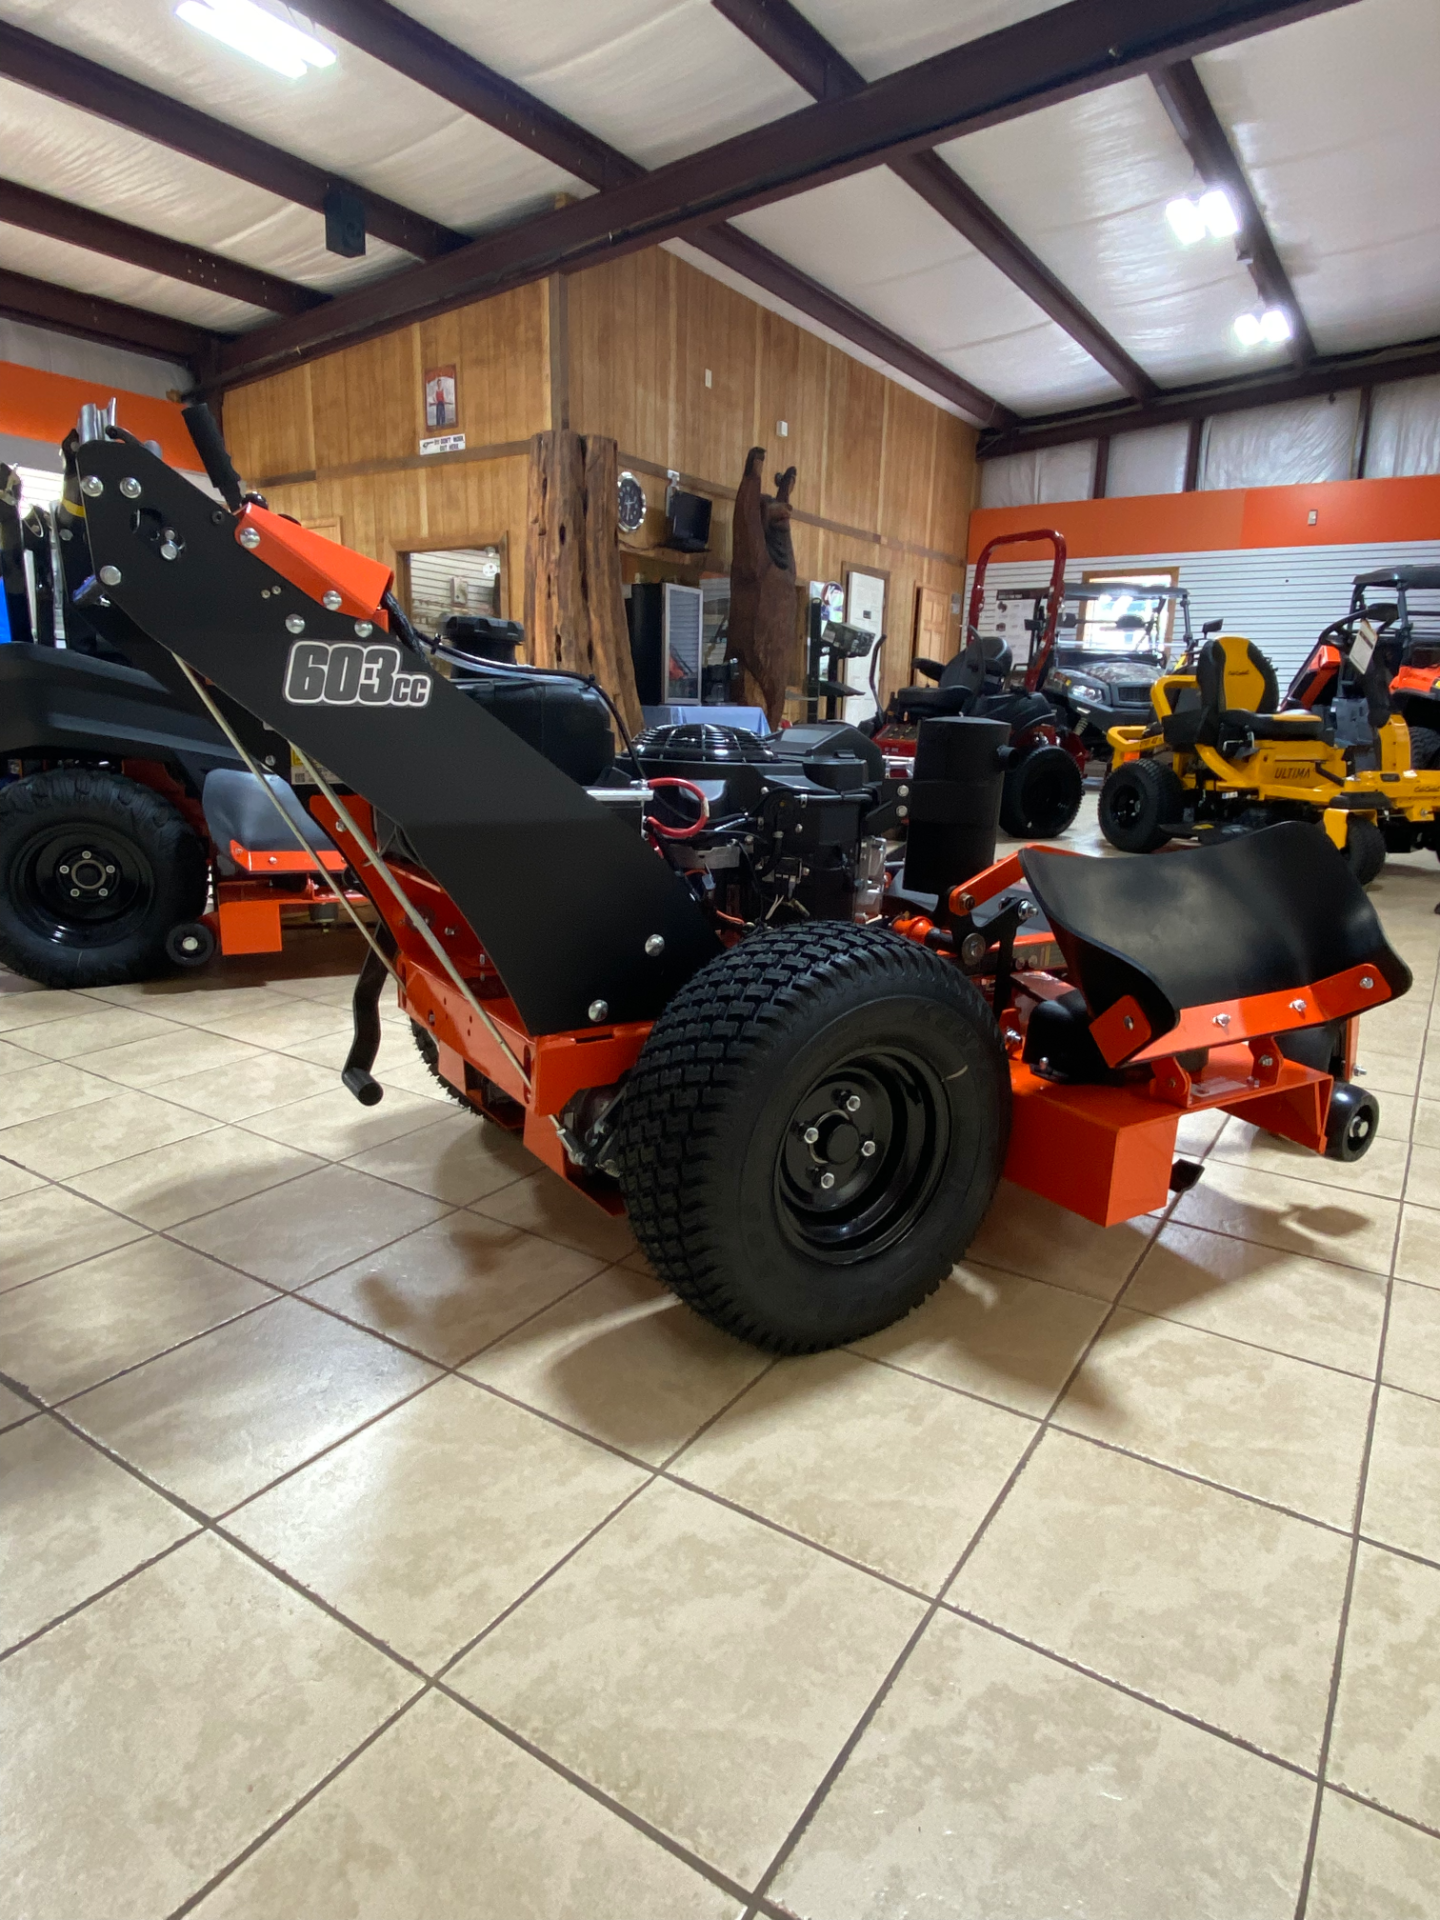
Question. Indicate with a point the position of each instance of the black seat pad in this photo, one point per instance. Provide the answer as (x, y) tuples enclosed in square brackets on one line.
[(237, 808), (1263, 913), (1273, 726), (1017, 709)]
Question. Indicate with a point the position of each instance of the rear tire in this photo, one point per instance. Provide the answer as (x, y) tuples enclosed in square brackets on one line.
[(1364, 850), (95, 870), (738, 1110), (1424, 749), (1134, 801), (1041, 795)]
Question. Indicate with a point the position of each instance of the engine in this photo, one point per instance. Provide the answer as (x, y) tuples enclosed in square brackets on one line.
[(769, 830)]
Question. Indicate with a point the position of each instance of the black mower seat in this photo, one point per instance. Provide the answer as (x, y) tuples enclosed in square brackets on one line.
[(1238, 696), (238, 810), (1266, 912), (979, 669)]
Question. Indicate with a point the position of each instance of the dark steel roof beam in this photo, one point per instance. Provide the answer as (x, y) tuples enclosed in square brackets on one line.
[(1055, 55), (54, 70), (1339, 373), (1183, 96), (98, 233), (782, 31), (42, 303)]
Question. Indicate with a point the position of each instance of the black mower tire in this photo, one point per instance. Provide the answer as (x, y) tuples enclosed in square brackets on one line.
[(1041, 795), (1424, 749), (752, 1063), (1364, 850), (141, 871), (1134, 801), (429, 1052)]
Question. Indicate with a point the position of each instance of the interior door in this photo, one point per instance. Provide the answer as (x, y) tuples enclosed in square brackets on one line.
[(937, 629)]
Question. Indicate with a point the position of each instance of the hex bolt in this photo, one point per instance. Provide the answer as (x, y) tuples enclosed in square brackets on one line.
[(1223, 1019), (363, 629), (110, 576), (330, 599), (1366, 981), (655, 945), (250, 538), (130, 488), (827, 1180), (104, 893), (293, 623), (902, 813), (1129, 1024), (1297, 1006), (812, 1135), (599, 1010), (92, 486), (1267, 1060), (868, 1149), (852, 1103)]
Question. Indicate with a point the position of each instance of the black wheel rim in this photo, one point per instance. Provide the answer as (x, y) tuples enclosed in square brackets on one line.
[(1049, 797), (861, 1156), (80, 886), (1124, 805)]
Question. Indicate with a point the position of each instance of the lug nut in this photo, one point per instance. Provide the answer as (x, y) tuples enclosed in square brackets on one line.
[(250, 538), (827, 1180), (812, 1134), (74, 893), (867, 1149), (64, 869), (852, 1104), (109, 871), (104, 893)]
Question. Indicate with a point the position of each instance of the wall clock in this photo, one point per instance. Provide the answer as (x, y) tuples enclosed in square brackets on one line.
[(632, 503)]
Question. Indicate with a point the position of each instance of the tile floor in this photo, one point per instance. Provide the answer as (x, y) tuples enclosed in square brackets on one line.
[(380, 1541)]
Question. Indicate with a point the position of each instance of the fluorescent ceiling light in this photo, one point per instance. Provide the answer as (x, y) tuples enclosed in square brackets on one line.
[(1213, 213), (251, 30), (1220, 217), (1187, 220), (1272, 325)]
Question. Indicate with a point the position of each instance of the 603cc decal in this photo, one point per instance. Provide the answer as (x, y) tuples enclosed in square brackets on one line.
[(343, 673)]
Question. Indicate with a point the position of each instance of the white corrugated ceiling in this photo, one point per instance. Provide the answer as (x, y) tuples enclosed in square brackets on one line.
[(1334, 119)]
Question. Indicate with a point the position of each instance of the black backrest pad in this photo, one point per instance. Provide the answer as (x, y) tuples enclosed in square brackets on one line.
[(1234, 675), (1262, 913)]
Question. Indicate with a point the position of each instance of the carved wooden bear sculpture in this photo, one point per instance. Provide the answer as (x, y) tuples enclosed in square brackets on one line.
[(763, 590)]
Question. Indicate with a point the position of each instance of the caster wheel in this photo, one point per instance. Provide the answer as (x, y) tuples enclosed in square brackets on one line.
[(190, 944), (1352, 1122)]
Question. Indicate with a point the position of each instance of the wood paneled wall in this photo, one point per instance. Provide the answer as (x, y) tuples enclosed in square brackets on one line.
[(886, 479)]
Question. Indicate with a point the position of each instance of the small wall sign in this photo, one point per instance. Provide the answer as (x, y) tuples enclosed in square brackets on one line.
[(442, 406), (443, 443)]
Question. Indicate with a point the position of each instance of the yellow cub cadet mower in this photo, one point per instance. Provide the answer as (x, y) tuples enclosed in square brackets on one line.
[(1217, 758)]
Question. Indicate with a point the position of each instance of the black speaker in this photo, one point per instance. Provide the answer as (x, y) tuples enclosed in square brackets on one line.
[(689, 522), (646, 612)]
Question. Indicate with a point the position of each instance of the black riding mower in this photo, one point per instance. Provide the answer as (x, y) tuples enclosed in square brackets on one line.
[(801, 1084)]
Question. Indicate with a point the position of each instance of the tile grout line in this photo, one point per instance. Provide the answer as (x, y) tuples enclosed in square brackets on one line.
[(760, 1892), (1322, 1765), (1379, 1806)]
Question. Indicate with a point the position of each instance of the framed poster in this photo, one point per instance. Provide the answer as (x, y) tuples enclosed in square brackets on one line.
[(442, 406)]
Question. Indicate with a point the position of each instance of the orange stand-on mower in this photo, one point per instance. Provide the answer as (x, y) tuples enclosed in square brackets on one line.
[(686, 994), (1045, 771)]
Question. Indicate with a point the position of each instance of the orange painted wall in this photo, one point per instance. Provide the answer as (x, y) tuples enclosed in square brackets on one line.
[(45, 406), (1346, 511)]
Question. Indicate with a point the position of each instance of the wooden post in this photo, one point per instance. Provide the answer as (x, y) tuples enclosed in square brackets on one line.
[(574, 605)]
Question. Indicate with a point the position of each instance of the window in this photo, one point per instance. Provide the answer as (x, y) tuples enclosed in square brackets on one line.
[(1107, 625)]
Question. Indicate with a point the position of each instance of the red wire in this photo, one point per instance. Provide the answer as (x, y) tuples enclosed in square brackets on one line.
[(681, 833)]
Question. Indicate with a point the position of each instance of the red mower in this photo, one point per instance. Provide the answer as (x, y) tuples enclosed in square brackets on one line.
[(1045, 775), (694, 997)]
